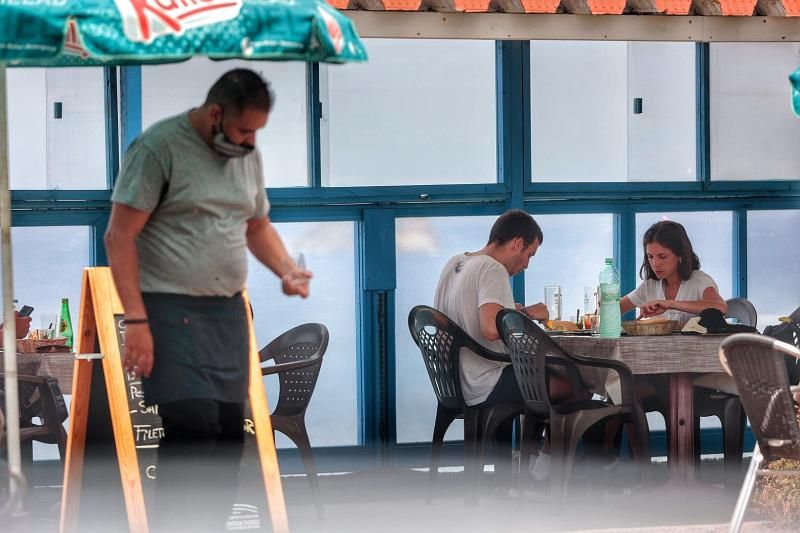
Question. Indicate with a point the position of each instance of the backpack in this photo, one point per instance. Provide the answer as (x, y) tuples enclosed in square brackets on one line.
[(788, 331)]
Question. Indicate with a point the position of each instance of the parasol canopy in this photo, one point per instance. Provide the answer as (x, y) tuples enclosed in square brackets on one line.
[(120, 32)]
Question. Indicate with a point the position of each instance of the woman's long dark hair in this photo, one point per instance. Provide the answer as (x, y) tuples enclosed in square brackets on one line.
[(673, 236)]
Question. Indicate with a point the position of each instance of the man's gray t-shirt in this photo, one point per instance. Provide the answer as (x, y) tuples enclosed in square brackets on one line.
[(195, 242), (467, 282)]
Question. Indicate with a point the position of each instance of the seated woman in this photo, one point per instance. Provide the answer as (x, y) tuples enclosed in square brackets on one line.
[(673, 286), (673, 283)]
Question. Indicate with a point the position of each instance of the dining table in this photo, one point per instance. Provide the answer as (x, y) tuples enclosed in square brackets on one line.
[(59, 365), (681, 357)]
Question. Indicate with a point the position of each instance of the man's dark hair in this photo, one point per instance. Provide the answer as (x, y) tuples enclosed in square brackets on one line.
[(241, 89), (515, 223), (670, 235)]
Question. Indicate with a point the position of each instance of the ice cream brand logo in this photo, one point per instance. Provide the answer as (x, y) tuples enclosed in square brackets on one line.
[(144, 20), (334, 30), (73, 43)]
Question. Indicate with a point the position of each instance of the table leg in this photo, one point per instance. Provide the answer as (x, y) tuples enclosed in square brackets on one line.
[(681, 429)]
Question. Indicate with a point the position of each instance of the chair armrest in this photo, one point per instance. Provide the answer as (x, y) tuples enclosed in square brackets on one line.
[(495, 356), (294, 365), (486, 353), (623, 370), (27, 378), (574, 375)]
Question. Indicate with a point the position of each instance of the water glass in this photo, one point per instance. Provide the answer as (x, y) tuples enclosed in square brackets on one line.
[(49, 324), (589, 300), (592, 322), (552, 299)]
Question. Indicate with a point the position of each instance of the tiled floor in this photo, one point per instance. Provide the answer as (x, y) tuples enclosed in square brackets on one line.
[(395, 501)]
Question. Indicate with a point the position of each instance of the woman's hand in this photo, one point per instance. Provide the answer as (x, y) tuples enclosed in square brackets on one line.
[(656, 307)]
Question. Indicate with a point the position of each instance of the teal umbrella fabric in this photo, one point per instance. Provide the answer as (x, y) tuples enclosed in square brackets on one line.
[(120, 32), (794, 78)]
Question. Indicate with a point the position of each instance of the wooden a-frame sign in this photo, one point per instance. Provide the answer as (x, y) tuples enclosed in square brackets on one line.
[(100, 324)]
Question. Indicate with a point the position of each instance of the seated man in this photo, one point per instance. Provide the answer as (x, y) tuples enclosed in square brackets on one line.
[(23, 324), (473, 288)]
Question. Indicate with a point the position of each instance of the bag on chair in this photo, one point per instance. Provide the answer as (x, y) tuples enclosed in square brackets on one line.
[(788, 331)]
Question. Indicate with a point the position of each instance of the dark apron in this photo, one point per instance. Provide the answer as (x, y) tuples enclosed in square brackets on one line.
[(200, 346)]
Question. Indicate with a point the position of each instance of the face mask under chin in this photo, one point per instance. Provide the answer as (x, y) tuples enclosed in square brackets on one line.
[(224, 146)]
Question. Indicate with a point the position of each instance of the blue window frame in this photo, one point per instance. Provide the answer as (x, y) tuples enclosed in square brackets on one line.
[(375, 209)]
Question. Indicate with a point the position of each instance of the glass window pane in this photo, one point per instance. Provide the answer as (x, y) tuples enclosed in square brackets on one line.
[(753, 130), (328, 247), (48, 150), (397, 120), (41, 282), (423, 247), (583, 123), (711, 235), (772, 259), (171, 89), (570, 256)]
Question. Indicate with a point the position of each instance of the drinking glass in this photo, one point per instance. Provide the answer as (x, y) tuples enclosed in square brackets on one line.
[(589, 300), (49, 324), (552, 299)]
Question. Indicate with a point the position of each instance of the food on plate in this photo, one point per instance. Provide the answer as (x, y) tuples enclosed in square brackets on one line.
[(654, 319), (560, 325)]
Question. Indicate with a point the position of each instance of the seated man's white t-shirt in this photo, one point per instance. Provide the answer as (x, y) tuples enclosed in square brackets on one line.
[(690, 289), (467, 282)]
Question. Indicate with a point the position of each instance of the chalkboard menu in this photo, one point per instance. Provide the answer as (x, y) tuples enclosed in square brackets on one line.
[(113, 436), (146, 423)]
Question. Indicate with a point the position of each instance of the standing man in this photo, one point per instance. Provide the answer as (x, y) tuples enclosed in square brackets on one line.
[(187, 206), (472, 289)]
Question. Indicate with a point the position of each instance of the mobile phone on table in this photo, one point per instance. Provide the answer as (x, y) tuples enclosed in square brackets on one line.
[(26, 310)]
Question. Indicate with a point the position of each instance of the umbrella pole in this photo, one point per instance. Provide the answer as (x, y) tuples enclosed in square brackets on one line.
[(10, 327)]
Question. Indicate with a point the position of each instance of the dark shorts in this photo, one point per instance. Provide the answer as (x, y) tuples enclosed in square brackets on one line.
[(201, 348)]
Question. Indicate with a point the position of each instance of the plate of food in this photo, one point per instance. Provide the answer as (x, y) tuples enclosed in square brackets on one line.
[(565, 327)]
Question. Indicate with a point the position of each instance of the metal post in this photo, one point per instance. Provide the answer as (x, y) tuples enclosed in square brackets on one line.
[(10, 327)]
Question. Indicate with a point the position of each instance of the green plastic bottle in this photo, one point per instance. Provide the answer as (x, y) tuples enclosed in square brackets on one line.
[(65, 323)]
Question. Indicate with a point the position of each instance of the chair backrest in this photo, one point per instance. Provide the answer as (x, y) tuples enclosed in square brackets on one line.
[(757, 366), (742, 310), (296, 386), (528, 346), (440, 340)]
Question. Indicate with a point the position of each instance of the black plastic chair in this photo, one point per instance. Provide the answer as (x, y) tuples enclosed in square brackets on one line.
[(440, 340), (39, 397), (726, 407), (532, 351), (297, 354), (758, 367)]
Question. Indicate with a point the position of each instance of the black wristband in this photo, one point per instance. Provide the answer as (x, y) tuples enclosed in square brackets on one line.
[(128, 321)]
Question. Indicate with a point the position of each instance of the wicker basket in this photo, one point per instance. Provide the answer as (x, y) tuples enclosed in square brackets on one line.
[(30, 345), (645, 327)]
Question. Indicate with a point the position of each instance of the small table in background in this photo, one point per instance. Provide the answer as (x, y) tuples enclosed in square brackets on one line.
[(57, 365)]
